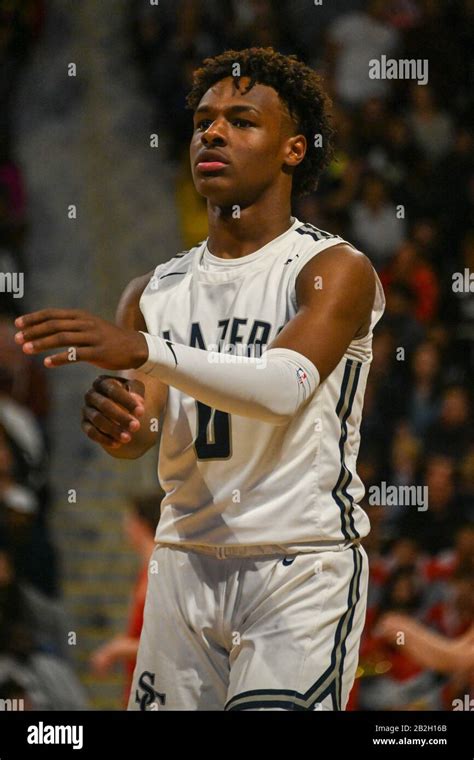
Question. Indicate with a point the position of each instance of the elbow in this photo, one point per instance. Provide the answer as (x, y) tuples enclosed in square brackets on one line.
[(282, 414), (276, 416)]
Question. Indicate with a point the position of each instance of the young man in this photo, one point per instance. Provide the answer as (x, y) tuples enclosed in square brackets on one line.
[(259, 591)]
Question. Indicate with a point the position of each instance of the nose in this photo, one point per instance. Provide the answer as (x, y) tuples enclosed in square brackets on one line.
[(214, 134)]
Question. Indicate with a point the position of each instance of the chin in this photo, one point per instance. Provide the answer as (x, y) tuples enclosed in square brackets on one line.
[(218, 196)]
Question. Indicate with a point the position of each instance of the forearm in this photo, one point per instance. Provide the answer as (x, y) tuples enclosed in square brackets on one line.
[(125, 647), (428, 648), (270, 388)]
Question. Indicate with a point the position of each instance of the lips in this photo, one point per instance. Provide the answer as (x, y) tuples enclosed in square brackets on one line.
[(211, 161), (210, 166)]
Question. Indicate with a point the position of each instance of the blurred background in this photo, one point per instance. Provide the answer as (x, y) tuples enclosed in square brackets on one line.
[(87, 202)]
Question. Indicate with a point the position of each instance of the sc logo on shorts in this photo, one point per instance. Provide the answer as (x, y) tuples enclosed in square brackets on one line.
[(149, 699)]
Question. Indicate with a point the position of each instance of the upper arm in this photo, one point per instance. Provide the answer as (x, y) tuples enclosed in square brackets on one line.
[(335, 292), (129, 315)]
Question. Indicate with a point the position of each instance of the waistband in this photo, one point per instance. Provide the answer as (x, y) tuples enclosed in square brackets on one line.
[(255, 550)]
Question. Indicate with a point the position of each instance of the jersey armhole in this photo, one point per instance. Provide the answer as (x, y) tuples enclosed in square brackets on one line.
[(150, 287)]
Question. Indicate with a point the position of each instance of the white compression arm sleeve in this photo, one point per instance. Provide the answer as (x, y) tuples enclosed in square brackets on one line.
[(270, 388)]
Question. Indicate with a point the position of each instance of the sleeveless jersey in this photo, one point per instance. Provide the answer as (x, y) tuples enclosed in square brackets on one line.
[(232, 481)]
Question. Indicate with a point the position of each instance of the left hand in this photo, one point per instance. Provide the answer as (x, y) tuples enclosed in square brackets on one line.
[(87, 339)]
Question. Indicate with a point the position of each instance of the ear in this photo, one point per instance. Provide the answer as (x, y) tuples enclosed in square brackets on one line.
[(295, 151)]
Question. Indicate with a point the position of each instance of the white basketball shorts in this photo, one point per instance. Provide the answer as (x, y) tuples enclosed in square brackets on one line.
[(250, 633)]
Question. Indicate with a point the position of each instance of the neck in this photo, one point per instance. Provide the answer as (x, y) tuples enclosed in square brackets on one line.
[(232, 238)]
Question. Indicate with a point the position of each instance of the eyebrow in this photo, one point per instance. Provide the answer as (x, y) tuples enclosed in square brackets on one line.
[(229, 110)]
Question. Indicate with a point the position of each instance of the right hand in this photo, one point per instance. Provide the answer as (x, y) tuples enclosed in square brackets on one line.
[(112, 410)]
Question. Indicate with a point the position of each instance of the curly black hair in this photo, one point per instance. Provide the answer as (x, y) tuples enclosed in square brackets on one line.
[(298, 86)]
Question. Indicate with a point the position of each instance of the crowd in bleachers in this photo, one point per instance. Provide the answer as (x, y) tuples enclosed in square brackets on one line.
[(34, 653), (401, 187)]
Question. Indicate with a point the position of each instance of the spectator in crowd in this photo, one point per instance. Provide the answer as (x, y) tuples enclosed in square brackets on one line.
[(400, 318), (408, 268), (452, 193), (139, 527), (24, 395), (435, 527), (431, 127), (446, 51), (390, 678), (458, 306), (423, 397), (26, 489), (451, 433), (355, 39), (378, 227), (405, 456), (393, 154), (23, 382), (32, 646)]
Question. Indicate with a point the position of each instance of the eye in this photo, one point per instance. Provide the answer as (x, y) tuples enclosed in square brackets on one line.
[(203, 124), (242, 122)]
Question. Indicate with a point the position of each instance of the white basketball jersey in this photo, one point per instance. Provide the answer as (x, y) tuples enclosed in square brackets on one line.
[(233, 481)]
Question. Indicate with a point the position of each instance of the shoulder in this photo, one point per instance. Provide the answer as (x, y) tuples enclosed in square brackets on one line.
[(135, 288), (309, 234), (341, 263), (305, 242), (165, 273), (343, 278), (128, 310)]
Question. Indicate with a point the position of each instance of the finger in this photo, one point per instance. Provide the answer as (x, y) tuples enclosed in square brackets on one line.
[(104, 425), (26, 320), (52, 327), (112, 411), (115, 390), (96, 435), (140, 401), (136, 386), (60, 340), (72, 356)]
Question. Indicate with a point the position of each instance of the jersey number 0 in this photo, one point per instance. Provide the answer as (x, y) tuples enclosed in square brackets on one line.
[(213, 433)]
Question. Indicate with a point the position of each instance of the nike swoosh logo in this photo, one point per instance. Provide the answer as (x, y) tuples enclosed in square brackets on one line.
[(171, 274), (170, 346), (287, 561)]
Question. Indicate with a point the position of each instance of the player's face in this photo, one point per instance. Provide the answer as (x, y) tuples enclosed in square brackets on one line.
[(248, 139)]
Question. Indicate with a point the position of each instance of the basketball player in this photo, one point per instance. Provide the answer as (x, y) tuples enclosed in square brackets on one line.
[(255, 346)]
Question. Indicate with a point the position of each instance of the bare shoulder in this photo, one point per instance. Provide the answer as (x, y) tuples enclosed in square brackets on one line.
[(128, 312), (342, 278), (342, 260), (340, 267)]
